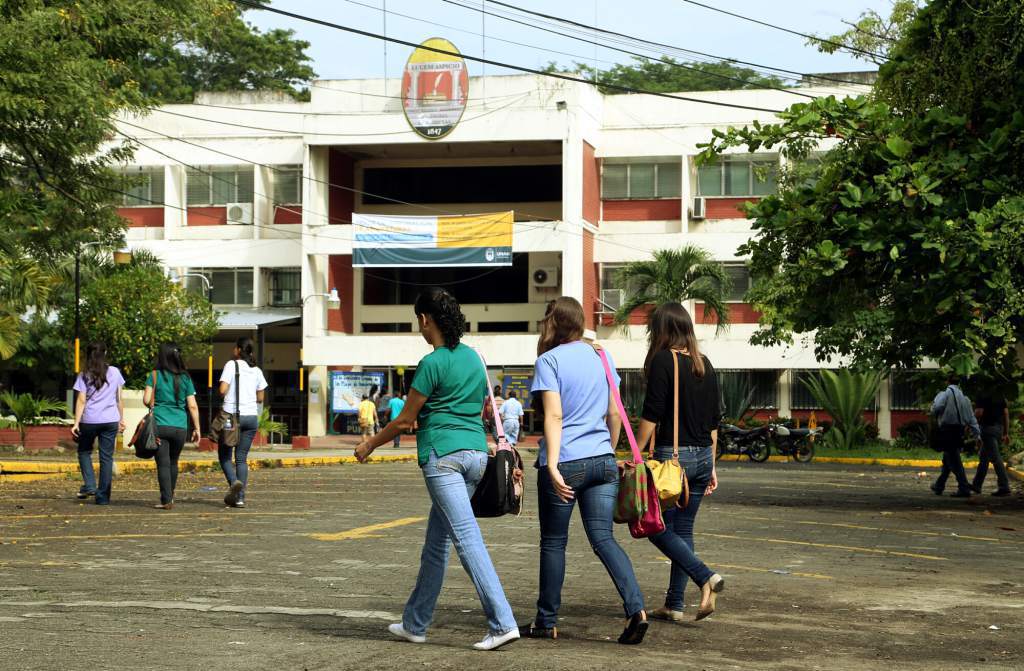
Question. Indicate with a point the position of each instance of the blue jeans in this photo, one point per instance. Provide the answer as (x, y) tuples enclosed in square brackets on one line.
[(107, 433), (239, 470), (676, 542), (595, 481), (511, 428), (451, 481), (991, 435)]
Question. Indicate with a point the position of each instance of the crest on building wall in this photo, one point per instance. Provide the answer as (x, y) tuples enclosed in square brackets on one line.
[(435, 88)]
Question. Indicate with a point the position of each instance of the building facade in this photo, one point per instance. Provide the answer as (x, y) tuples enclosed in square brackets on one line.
[(257, 195)]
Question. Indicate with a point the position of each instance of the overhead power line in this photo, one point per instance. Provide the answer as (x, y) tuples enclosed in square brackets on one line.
[(520, 68), (769, 70), (839, 45)]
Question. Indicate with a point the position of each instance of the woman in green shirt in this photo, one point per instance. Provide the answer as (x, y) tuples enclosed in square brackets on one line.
[(173, 399), (447, 398)]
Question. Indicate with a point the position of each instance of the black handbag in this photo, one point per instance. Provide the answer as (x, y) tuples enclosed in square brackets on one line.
[(500, 491), (144, 440), (225, 429)]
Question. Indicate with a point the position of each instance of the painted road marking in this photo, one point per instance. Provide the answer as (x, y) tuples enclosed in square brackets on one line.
[(829, 546), (198, 534), (209, 608), (150, 516), (763, 570), (367, 531)]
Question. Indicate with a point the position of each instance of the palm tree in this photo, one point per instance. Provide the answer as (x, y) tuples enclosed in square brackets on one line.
[(675, 275), (24, 283)]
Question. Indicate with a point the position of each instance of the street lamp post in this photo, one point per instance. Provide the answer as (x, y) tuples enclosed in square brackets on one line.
[(333, 300), (209, 362), (78, 299)]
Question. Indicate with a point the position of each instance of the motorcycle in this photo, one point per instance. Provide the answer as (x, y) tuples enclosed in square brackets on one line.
[(796, 443), (750, 442)]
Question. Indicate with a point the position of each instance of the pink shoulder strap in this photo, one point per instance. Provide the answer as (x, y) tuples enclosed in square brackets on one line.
[(613, 389), (494, 406)]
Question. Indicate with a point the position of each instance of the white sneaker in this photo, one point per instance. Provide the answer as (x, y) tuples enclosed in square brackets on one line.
[(492, 642), (398, 630)]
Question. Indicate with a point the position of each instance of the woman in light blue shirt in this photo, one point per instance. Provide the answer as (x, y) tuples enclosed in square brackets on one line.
[(577, 462)]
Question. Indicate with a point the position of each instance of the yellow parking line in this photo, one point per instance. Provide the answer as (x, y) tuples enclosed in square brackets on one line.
[(367, 531), (829, 546)]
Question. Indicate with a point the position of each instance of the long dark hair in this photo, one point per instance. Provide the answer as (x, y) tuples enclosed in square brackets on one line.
[(670, 327), (562, 323), (169, 359), (246, 350), (445, 311), (95, 372)]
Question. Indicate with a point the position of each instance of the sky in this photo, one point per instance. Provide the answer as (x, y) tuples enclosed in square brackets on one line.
[(339, 55)]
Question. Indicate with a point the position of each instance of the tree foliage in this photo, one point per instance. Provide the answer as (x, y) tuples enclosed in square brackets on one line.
[(906, 241), (135, 308), (871, 33), (668, 75), (674, 276)]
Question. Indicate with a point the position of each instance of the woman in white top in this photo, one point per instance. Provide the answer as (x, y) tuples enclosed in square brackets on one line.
[(251, 386)]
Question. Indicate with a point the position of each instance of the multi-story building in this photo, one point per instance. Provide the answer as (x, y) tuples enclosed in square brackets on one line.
[(257, 194)]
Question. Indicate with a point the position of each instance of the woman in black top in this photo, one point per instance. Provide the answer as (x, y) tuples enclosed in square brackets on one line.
[(671, 335)]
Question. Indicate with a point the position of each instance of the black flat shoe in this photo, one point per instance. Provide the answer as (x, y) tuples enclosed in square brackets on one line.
[(635, 631), (1001, 492), (935, 490), (531, 631)]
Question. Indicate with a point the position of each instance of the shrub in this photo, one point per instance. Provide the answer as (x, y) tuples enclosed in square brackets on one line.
[(844, 394), (915, 431), (28, 410), (871, 432)]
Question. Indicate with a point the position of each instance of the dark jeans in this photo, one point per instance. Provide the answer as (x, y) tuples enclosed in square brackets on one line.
[(676, 542), (595, 481), (172, 442), (990, 438), (951, 439), (88, 433), (239, 470)]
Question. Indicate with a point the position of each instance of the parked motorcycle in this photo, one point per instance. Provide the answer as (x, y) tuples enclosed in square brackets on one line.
[(796, 443), (750, 442)]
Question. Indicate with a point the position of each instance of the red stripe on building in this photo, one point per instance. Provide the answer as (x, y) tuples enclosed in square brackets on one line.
[(288, 214), (591, 185), (661, 209), (207, 216), (726, 208), (340, 201), (340, 276), (143, 217), (739, 313), (590, 270)]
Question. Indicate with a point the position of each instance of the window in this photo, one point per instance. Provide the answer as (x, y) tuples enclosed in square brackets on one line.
[(739, 276), (231, 286), (801, 397), (608, 273), (392, 327), (143, 187), (905, 392), (401, 286), (464, 184), (631, 181), (219, 185), (738, 176), (285, 287), (288, 185), (763, 383)]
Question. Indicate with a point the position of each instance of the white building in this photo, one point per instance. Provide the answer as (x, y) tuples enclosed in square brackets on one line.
[(595, 181)]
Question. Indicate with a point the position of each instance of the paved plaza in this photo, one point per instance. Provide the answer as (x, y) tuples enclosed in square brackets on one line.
[(828, 567)]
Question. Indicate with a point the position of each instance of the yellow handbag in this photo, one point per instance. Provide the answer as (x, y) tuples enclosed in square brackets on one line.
[(669, 476)]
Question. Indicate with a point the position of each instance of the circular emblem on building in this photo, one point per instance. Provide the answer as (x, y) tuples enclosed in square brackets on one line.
[(435, 89)]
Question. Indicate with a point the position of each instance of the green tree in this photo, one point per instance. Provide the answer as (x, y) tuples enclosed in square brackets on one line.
[(908, 243), (871, 33), (668, 75), (133, 309), (674, 275)]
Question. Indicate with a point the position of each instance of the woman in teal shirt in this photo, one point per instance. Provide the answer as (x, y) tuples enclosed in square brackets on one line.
[(172, 400), (447, 398)]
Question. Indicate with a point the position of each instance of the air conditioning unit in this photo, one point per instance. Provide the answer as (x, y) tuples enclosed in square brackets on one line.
[(545, 277), (239, 213), (611, 300), (699, 208)]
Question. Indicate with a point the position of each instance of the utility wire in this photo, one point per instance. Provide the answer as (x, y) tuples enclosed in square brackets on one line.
[(639, 40), (839, 45), (553, 75)]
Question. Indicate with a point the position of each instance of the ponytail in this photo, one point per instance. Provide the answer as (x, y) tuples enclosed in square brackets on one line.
[(246, 351), (446, 313)]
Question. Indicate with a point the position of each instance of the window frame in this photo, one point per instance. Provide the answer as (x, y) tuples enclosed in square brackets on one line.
[(210, 173), (654, 181), (271, 288), (760, 394), (237, 271), (750, 281), (151, 172), (752, 162), (908, 379), (291, 170)]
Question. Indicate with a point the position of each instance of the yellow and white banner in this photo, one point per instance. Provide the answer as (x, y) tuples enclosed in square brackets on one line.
[(466, 240)]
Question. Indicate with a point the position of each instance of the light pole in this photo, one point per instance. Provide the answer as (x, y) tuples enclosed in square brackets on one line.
[(121, 257), (333, 301), (175, 277)]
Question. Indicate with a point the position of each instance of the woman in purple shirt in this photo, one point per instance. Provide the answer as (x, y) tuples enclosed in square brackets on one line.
[(99, 413)]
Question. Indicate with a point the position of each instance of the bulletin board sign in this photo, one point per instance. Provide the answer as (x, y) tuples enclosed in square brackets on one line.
[(347, 389)]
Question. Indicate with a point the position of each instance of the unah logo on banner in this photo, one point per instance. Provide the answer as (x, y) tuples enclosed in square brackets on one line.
[(435, 89)]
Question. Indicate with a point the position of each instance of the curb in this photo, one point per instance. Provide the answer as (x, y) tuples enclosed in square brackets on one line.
[(123, 467), (861, 461), (1015, 473)]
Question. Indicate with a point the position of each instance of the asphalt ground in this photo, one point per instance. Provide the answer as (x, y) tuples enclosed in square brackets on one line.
[(827, 567)]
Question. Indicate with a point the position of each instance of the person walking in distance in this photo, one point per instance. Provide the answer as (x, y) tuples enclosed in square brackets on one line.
[(953, 414), (395, 407), (682, 410), (993, 416), (447, 395), (576, 463), (511, 417), (367, 416), (99, 413), (171, 394), (242, 386)]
